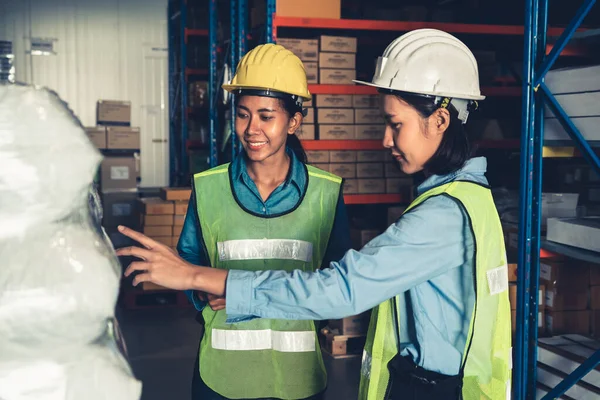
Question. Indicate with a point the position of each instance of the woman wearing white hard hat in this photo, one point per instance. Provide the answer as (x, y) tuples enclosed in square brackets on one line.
[(438, 276)]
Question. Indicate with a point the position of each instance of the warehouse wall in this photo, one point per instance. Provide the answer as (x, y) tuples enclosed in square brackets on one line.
[(108, 49)]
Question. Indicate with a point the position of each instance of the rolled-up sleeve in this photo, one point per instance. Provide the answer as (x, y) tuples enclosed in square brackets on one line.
[(424, 243)]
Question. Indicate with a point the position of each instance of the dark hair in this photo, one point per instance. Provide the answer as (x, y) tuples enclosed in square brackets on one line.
[(455, 149), (291, 108)]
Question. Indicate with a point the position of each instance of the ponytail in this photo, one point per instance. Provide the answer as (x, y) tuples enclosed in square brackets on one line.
[(294, 144)]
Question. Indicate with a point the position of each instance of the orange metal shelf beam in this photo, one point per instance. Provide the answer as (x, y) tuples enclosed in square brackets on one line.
[(195, 32), (192, 71), (360, 89), (373, 25), (372, 198)]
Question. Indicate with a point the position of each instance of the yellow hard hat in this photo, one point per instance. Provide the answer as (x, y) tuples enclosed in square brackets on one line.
[(269, 70)]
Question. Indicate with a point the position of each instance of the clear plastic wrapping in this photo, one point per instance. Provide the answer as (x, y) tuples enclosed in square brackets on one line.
[(59, 276)]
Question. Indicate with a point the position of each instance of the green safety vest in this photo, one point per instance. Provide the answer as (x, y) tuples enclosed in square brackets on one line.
[(263, 358), (486, 364)]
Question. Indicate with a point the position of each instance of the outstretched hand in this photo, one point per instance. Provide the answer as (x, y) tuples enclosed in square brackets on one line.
[(160, 264)]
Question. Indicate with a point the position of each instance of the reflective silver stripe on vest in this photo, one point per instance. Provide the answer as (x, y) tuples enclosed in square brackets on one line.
[(265, 249), (365, 367), (266, 339)]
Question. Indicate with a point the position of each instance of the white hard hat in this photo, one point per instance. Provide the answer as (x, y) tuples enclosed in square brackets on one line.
[(430, 62)]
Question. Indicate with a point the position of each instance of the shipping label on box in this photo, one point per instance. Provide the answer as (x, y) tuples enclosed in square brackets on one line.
[(370, 156), (343, 170), (335, 115), (118, 173), (309, 118), (157, 206), (370, 132), (398, 185), (306, 132), (371, 186), (153, 231), (312, 72), (123, 137), (120, 209), (336, 132), (305, 49), (367, 116), (369, 170), (350, 186), (114, 112), (334, 101), (337, 60), (176, 194), (365, 101), (157, 220), (342, 156), (392, 170), (338, 44), (97, 135), (317, 156), (324, 167), (337, 76)]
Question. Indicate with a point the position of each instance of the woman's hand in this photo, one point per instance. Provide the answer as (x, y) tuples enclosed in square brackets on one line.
[(161, 264)]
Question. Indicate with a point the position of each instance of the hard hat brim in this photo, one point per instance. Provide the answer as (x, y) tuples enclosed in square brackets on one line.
[(440, 94), (233, 88)]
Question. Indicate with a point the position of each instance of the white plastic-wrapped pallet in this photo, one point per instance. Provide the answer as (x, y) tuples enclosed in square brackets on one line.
[(59, 277)]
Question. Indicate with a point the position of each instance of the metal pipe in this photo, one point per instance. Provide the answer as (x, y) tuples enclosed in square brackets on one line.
[(561, 43), (271, 9), (562, 117), (574, 377)]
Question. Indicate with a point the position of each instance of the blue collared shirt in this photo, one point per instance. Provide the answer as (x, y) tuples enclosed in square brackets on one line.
[(284, 198), (426, 258)]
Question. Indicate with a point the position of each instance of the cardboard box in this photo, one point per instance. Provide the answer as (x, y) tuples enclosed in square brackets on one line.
[(324, 167), (595, 297), (312, 72), (111, 112), (123, 137), (308, 103), (120, 209), (178, 220), (97, 135), (338, 44), (370, 156), (569, 300), (370, 132), (157, 231), (337, 76), (175, 241), (336, 132), (117, 173), (307, 50), (350, 186), (342, 156), (365, 101), (156, 206), (343, 170), (306, 132), (512, 272), (541, 321), (309, 8), (166, 240), (157, 220), (398, 185), (563, 275), (317, 156), (176, 194), (335, 116), (181, 207), (337, 60), (394, 213), (334, 101), (368, 116), (512, 296), (371, 186), (572, 322), (369, 170), (392, 170), (177, 230), (309, 118), (355, 325)]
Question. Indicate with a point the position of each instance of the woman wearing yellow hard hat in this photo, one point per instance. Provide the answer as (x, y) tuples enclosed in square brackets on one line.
[(438, 276)]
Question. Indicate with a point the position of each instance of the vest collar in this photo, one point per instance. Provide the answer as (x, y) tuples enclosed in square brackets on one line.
[(473, 170)]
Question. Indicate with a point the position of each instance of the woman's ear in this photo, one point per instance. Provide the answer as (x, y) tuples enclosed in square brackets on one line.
[(440, 120), (295, 123)]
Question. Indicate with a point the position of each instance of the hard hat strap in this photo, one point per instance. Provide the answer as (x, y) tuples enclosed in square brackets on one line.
[(270, 93)]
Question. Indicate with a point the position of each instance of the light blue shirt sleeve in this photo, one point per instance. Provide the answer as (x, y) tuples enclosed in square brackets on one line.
[(424, 243)]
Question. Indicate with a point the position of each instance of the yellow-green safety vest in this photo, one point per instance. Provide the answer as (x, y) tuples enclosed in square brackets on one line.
[(263, 358), (486, 364)]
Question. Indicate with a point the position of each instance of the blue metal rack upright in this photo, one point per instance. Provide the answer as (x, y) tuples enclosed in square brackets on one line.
[(535, 93), (238, 20), (213, 90)]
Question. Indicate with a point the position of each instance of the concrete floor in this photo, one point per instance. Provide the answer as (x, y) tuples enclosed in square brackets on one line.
[(162, 345)]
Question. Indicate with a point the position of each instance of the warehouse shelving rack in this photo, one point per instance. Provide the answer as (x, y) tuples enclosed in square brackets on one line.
[(531, 246)]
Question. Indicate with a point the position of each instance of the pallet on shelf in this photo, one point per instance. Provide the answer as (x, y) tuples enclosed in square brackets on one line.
[(341, 346)]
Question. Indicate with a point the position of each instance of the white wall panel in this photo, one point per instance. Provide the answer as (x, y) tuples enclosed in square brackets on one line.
[(108, 49)]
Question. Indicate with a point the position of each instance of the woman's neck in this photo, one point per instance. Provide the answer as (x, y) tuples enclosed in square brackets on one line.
[(270, 173)]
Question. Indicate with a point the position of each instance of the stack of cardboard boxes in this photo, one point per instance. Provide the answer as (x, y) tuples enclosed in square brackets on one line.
[(119, 171), (162, 218), (512, 298)]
